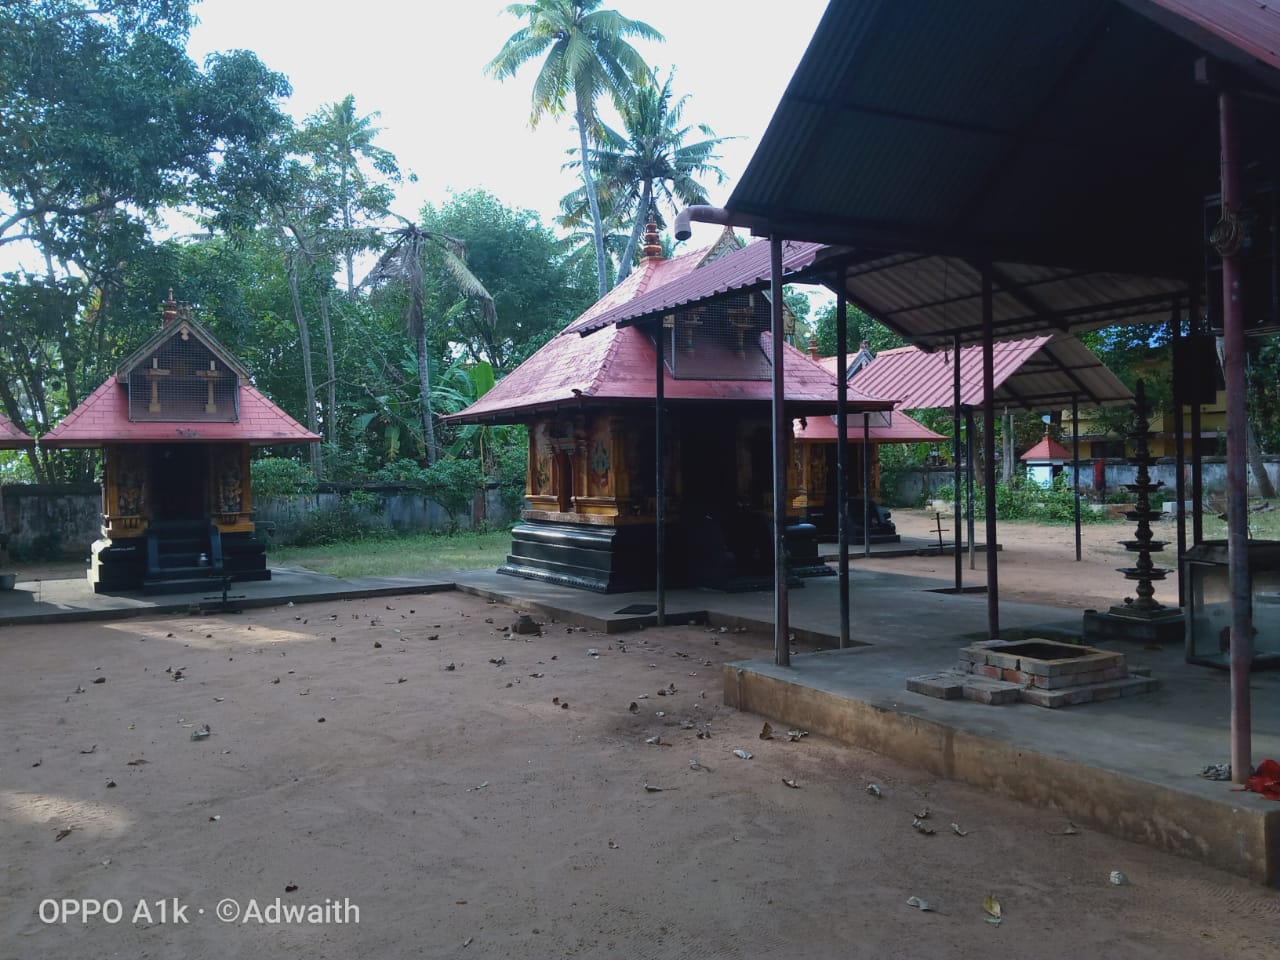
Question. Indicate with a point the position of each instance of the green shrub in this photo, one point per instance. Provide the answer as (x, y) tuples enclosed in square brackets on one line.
[(452, 482), (279, 478), (328, 525)]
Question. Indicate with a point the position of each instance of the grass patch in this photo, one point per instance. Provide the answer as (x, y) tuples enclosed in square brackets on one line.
[(416, 553)]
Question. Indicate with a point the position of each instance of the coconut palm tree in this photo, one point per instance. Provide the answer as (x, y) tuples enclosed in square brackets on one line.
[(650, 161), (338, 138), (403, 263), (585, 53)]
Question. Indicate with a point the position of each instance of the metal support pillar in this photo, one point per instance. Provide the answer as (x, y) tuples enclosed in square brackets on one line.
[(1075, 466), (842, 459), (1180, 458), (968, 487), (1237, 467), (989, 452), (660, 479), (866, 484), (781, 618), (956, 455)]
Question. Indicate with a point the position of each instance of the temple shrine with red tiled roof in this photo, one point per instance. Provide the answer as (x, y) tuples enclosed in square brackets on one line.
[(587, 397), (175, 424)]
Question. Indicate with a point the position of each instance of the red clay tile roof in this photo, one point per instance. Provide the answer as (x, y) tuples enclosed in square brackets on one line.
[(11, 436), (617, 364), (1047, 449), (104, 418), (901, 429)]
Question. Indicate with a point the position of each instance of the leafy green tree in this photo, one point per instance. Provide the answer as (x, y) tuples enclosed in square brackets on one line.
[(585, 52), (860, 326), (651, 161), (525, 268), (104, 122)]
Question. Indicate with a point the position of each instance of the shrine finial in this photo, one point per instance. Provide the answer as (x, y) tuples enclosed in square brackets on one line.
[(652, 248), (170, 312)]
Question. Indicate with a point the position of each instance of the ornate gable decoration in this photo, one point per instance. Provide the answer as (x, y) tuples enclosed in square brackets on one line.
[(182, 374)]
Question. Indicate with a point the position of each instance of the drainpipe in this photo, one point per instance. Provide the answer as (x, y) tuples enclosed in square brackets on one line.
[(703, 213), (1237, 425)]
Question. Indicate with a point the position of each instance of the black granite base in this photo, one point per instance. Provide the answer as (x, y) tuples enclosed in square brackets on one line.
[(1098, 627), (174, 565)]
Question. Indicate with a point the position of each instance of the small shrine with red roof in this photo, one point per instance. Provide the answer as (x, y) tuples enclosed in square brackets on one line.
[(176, 423), (1046, 459), (588, 396)]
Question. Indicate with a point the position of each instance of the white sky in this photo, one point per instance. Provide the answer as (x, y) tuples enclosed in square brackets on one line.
[(420, 64)]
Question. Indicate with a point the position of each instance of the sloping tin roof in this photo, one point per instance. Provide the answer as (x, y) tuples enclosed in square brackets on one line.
[(12, 437), (1047, 449), (737, 272), (1072, 135), (901, 429), (930, 299), (1036, 373), (104, 418), (649, 274), (1003, 128)]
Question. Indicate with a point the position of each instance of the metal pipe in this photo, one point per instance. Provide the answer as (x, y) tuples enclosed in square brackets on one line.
[(866, 484), (1237, 470), (704, 213), (660, 479), (989, 451), (842, 458), (968, 486), (1180, 458), (956, 455), (781, 620), (1075, 466)]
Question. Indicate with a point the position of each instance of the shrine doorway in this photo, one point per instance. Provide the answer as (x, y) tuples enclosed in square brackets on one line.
[(180, 483)]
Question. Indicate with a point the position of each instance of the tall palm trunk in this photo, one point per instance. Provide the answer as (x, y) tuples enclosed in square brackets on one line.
[(424, 384), (593, 202), (309, 380), (642, 218), (331, 408)]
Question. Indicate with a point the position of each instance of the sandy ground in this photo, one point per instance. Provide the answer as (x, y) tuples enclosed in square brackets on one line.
[(469, 812), (1037, 563)]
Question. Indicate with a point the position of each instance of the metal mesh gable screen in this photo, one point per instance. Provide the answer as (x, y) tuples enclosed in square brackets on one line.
[(718, 340), (183, 380)]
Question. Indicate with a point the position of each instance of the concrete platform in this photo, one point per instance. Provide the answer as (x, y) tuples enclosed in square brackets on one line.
[(829, 551), (1128, 766), (55, 601)]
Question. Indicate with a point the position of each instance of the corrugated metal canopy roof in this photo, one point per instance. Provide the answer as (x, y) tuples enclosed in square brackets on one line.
[(1058, 133), (929, 299), (1038, 373)]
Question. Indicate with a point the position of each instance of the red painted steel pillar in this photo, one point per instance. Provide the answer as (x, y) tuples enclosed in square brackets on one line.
[(1237, 466)]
